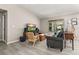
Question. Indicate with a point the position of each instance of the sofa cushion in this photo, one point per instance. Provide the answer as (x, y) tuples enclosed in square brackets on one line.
[(61, 34), (56, 34)]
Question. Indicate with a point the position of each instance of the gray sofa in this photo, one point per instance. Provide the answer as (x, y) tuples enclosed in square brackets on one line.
[(56, 42)]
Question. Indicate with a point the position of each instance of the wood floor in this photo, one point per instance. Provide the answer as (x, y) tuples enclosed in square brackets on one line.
[(40, 48)]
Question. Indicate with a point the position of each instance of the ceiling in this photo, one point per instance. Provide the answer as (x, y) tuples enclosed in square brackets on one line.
[(51, 10)]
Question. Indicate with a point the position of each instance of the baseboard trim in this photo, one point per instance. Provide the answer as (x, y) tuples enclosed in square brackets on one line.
[(12, 41)]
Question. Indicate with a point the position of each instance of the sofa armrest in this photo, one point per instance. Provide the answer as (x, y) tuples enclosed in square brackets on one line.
[(58, 38), (55, 38), (48, 37)]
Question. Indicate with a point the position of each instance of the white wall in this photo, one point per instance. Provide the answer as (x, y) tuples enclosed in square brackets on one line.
[(17, 19), (44, 25)]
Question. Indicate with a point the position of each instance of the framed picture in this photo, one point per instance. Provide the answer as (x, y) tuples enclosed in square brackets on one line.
[(74, 21)]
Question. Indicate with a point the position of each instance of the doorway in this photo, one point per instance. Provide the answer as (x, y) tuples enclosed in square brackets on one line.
[(3, 26), (56, 25)]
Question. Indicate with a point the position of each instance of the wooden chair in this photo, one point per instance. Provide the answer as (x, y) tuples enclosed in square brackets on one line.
[(32, 38)]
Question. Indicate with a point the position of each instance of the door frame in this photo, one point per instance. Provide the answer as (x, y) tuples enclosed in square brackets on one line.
[(5, 23), (53, 21)]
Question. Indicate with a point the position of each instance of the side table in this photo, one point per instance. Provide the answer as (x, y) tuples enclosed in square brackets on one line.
[(41, 37)]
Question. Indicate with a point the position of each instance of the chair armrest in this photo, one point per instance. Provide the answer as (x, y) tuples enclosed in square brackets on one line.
[(36, 37)]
